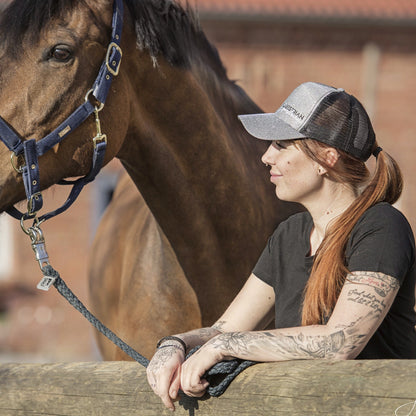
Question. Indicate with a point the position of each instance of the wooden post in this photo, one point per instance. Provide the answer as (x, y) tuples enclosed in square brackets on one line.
[(376, 387)]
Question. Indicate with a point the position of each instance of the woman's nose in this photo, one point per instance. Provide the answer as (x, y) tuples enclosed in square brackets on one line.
[(267, 157)]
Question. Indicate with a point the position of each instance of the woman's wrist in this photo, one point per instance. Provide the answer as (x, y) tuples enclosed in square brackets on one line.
[(171, 339)]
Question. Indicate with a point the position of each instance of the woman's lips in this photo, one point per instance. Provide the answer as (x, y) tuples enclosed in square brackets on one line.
[(274, 175)]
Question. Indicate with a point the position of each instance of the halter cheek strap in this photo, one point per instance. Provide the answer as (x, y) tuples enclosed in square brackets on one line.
[(31, 149)]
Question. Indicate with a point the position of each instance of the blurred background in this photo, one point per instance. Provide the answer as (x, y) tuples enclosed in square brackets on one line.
[(367, 47)]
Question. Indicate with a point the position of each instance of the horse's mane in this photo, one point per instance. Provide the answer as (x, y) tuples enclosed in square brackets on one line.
[(164, 27)]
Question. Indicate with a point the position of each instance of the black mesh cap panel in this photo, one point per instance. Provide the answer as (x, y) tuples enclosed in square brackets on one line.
[(341, 121)]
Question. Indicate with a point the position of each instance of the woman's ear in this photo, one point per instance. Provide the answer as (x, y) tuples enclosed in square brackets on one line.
[(331, 156)]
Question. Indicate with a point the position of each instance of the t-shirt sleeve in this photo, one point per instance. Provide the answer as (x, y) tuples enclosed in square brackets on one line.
[(382, 241), (264, 265)]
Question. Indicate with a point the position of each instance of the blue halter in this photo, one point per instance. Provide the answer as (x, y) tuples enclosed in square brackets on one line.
[(32, 149)]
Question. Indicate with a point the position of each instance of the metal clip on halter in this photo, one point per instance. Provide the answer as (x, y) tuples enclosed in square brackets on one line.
[(39, 247), (100, 137)]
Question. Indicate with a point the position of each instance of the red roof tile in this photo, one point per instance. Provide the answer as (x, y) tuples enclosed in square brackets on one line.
[(364, 9)]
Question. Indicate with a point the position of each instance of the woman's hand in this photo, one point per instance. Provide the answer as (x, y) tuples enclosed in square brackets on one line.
[(164, 372), (193, 369)]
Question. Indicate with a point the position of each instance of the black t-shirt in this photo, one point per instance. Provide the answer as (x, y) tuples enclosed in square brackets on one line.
[(381, 241)]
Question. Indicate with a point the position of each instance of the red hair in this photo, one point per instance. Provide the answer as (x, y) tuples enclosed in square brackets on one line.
[(329, 269)]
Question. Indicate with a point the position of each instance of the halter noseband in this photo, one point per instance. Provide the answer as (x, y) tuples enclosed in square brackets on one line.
[(32, 149)]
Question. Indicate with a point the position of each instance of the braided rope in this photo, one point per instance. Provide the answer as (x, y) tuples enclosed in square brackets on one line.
[(219, 376), (223, 373), (67, 293)]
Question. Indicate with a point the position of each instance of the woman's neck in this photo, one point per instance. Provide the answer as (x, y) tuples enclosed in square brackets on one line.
[(329, 206)]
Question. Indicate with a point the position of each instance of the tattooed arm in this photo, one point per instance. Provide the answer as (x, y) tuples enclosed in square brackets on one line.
[(362, 305), (250, 309)]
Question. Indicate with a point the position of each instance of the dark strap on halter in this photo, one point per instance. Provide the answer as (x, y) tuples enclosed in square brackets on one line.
[(63, 130), (10, 138), (30, 174), (79, 184), (111, 64), (32, 149)]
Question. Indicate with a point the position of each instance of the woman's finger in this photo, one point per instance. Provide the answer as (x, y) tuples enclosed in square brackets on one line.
[(162, 371), (175, 384), (191, 379)]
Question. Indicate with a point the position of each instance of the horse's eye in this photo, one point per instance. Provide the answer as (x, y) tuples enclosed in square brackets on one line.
[(61, 54)]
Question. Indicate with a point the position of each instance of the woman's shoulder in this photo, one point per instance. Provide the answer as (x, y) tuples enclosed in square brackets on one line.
[(382, 241), (385, 215), (385, 222)]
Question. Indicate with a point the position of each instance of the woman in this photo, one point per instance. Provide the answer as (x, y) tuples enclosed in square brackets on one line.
[(339, 276)]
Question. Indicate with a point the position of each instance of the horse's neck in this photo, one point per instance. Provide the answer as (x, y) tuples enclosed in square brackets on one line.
[(207, 189)]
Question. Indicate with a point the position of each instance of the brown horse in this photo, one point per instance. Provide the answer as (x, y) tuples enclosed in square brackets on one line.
[(173, 256)]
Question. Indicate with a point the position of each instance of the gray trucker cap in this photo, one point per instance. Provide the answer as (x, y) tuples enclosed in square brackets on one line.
[(320, 112)]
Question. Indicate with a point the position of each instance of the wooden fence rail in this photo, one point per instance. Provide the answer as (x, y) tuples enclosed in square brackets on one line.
[(379, 387)]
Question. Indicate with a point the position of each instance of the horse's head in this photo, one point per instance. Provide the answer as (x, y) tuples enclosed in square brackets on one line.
[(51, 52)]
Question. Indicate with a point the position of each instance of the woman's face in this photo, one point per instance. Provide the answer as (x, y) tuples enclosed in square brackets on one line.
[(295, 175)]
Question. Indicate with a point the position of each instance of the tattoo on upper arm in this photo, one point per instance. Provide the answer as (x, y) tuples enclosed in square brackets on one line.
[(373, 292), (363, 297), (380, 282)]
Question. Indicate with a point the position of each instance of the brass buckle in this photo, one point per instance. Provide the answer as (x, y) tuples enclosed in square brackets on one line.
[(110, 66), (35, 196), (18, 169)]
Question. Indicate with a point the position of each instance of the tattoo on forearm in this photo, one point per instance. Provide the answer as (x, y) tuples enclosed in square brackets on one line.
[(202, 335), (219, 325), (244, 345)]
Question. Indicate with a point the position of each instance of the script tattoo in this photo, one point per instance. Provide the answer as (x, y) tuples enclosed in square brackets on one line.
[(373, 290), (380, 282), (364, 298)]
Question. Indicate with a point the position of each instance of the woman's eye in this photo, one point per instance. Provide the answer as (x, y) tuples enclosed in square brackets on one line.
[(61, 54), (278, 145)]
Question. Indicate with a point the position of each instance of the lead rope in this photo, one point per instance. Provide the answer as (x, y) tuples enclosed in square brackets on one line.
[(66, 292), (219, 376)]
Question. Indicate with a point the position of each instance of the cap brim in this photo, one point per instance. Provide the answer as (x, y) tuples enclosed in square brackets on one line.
[(267, 126)]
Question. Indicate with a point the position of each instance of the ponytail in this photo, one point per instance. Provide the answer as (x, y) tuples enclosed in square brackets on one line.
[(329, 269)]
